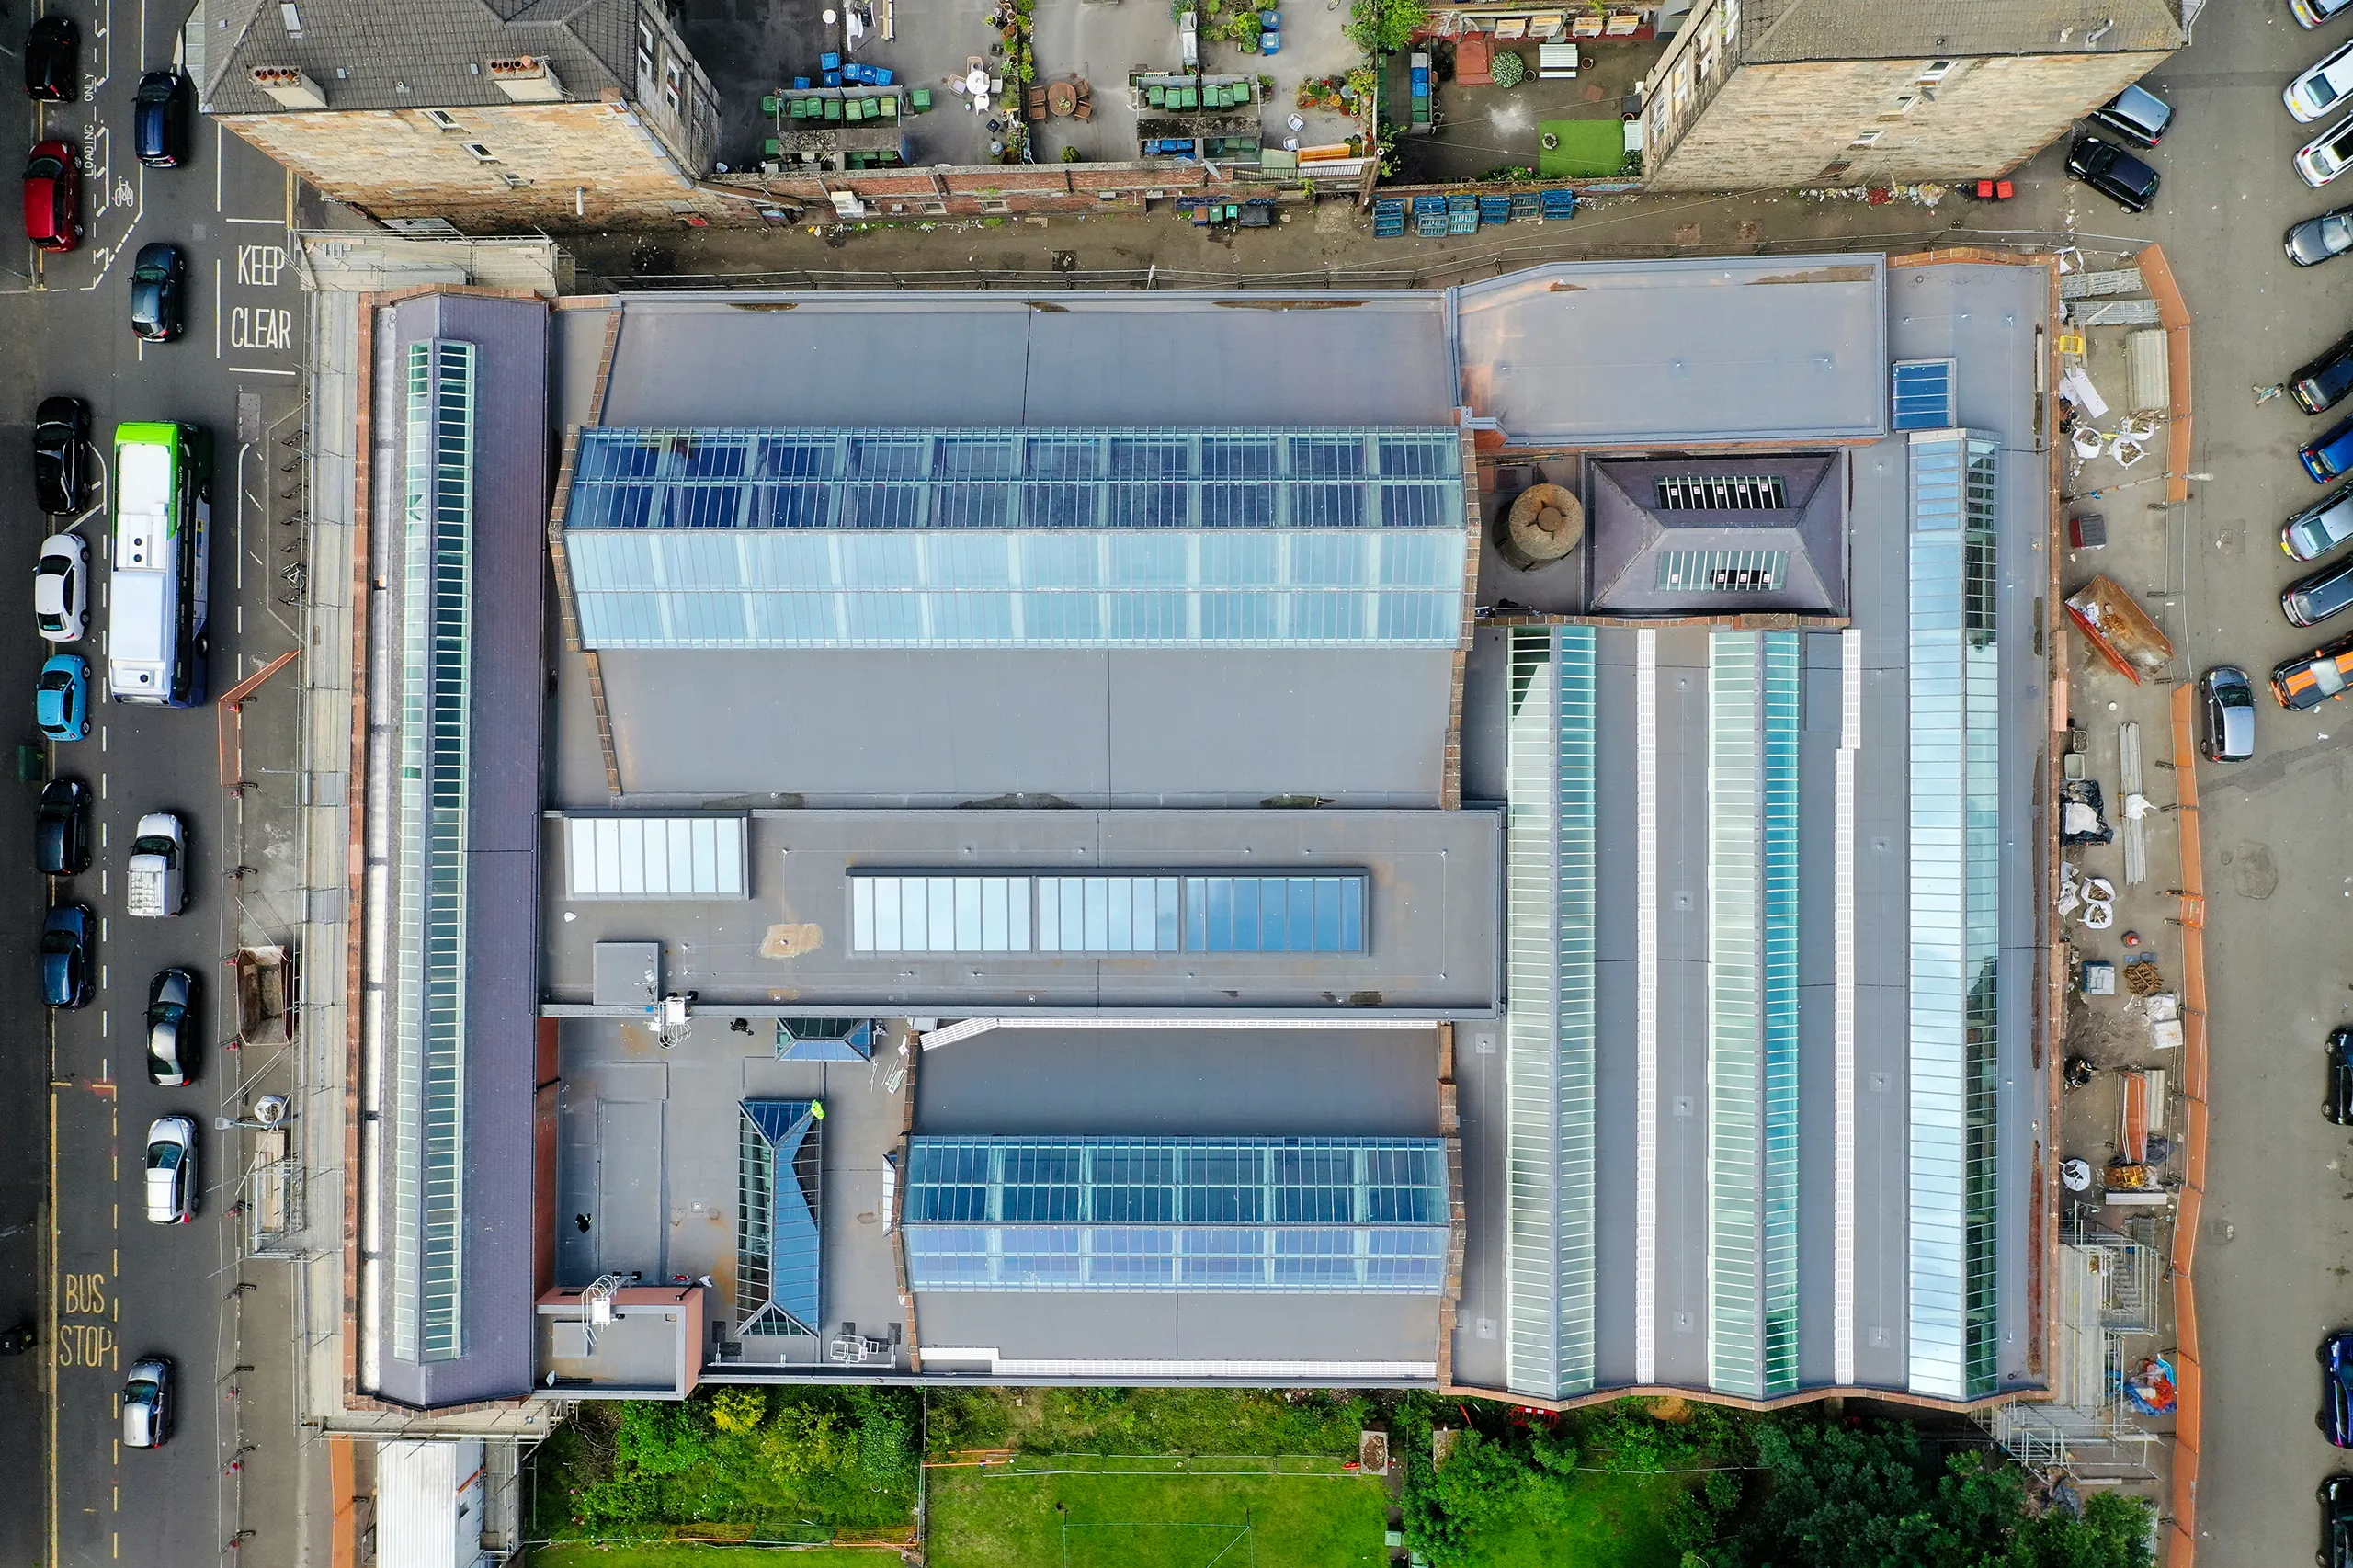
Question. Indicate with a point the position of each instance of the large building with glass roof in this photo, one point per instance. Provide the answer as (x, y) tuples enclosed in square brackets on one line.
[(1062, 848)]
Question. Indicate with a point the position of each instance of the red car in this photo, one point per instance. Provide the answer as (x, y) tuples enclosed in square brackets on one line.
[(53, 197)]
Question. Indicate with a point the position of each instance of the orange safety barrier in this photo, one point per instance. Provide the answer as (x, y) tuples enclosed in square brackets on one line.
[(2173, 314), (2190, 1374)]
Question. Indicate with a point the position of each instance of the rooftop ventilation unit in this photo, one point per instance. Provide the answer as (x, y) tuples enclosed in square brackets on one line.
[(289, 86), (526, 79)]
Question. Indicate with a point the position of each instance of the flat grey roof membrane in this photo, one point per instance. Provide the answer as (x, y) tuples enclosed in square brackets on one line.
[(1430, 913), (1667, 353)]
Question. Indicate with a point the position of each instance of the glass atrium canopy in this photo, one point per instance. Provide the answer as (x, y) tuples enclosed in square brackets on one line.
[(1212, 1215), (1017, 538)]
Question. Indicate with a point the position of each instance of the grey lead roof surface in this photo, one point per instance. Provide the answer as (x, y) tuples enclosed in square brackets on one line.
[(421, 53), (502, 834), (1795, 30), (1163, 359), (1628, 532)]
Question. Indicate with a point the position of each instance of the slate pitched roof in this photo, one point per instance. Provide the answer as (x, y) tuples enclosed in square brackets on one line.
[(1637, 541), (1796, 31), (418, 53)]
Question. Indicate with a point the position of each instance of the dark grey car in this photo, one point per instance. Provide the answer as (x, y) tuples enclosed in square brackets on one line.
[(174, 1001), (2226, 714), (2315, 240)]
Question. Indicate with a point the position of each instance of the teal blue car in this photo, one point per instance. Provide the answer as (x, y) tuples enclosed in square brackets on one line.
[(61, 698)]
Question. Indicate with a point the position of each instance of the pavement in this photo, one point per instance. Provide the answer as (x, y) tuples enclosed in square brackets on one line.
[(102, 1286)]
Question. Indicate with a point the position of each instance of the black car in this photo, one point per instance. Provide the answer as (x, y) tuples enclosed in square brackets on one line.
[(2338, 1107), (2336, 1522), (53, 59), (2322, 384), (2113, 172), (175, 1003), (159, 119), (2315, 240), (61, 475), (61, 828), (155, 289)]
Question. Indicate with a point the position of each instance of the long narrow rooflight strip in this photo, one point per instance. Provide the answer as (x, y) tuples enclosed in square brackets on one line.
[(967, 1028), (1777, 913), (1577, 888), (427, 1093), (1126, 913), (1532, 1237), (1954, 885), (1646, 1005), (1735, 766), (1843, 1115)]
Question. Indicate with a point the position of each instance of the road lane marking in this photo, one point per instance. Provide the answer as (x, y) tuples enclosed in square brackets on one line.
[(267, 222)]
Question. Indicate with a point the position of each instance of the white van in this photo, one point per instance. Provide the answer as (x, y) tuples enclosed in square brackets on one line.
[(158, 883), (2319, 89)]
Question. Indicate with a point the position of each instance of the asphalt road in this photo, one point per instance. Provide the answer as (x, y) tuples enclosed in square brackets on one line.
[(2272, 1271), (120, 1288)]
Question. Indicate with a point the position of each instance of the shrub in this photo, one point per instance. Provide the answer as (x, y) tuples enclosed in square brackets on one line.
[(1070, 154), (737, 1411), (1384, 26), (1509, 70)]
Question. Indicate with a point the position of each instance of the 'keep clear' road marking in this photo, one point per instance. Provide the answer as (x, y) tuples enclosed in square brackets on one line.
[(255, 328)]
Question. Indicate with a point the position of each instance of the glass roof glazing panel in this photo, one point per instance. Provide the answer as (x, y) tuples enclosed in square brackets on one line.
[(1275, 1214), (759, 539), (778, 1273)]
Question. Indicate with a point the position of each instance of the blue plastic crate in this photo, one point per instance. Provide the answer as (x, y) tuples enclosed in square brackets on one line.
[(1430, 216), (1387, 217), (1462, 213), (1525, 208), (1494, 210), (1558, 204)]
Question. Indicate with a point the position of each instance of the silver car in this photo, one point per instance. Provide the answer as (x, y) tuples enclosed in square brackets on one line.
[(147, 1404), (171, 1170), (2226, 714)]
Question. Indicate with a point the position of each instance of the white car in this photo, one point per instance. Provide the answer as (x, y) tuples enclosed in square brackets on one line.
[(157, 885), (2312, 94), (2326, 156), (61, 588), (171, 1170)]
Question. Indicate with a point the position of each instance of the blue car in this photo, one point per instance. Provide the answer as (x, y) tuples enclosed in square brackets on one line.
[(67, 956), (61, 698), (2336, 1388), (2331, 456)]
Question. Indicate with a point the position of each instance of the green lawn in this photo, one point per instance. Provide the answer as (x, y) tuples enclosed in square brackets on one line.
[(998, 1519), (576, 1554), (1590, 149), (1611, 1522)]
